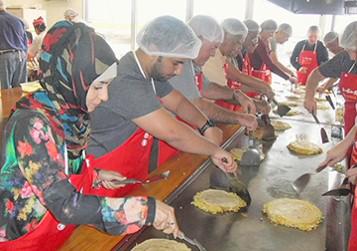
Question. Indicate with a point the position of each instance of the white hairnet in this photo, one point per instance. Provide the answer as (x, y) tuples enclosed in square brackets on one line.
[(207, 27), (330, 37), (169, 37), (70, 13), (349, 36), (234, 27), (314, 29), (286, 28), (269, 25), (252, 25)]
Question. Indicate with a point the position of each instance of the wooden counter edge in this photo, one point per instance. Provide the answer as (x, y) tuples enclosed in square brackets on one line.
[(88, 238)]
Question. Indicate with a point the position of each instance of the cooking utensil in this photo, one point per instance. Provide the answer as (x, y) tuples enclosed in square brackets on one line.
[(251, 157), (301, 182), (269, 131), (323, 134), (163, 175), (282, 109), (329, 100), (338, 192), (193, 242)]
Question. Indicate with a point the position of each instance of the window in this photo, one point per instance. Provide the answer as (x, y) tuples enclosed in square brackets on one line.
[(112, 19), (264, 10), (342, 21), (150, 9), (220, 9)]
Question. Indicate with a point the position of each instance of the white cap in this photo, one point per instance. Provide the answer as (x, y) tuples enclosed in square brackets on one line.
[(252, 25), (269, 26), (234, 27), (286, 28), (207, 28), (169, 37), (349, 36), (330, 37), (70, 13)]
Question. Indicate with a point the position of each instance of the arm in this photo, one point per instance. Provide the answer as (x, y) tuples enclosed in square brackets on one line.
[(338, 152), (275, 60), (187, 111), (254, 83), (311, 85), (219, 114), (40, 157), (162, 125), (267, 60), (294, 59)]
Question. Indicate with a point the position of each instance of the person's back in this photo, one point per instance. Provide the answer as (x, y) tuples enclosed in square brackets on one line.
[(12, 31)]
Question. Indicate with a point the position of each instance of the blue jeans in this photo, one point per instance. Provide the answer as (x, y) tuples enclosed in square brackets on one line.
[(13, 69)]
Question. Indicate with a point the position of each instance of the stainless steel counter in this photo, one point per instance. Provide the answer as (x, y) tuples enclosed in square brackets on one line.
[(250, 230)]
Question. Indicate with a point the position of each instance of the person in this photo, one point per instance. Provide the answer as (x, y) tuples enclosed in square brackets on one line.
[(340, 151), (195, 87), (126, 129), (40, 30), (282, 35), (260, 58), (28, 33), (222, 70), (332, 44), (44, 139), (71, 15), (13, 50), (342, 66), (308, 54)]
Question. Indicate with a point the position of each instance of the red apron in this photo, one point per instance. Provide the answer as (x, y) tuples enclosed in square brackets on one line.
[(49, 235), (352, 245), (263, 73), (248, 70), (131, 159), (234, 86), (348, 87), (309, 60)]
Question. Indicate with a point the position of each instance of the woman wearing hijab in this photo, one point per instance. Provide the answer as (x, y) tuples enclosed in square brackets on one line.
[(43, 145)]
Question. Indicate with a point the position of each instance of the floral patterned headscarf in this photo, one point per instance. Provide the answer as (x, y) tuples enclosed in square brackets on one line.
[(73, 56)]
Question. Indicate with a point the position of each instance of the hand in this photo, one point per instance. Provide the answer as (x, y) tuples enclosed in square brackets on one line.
[(310, 104), (303, 69), (293, 80), (262, 106), (248, 120), (165, 219), (215, 135), (246, 102), (107, 179), (321, 89), (352, 175), (269, 92), (335, 154), (224, 161)]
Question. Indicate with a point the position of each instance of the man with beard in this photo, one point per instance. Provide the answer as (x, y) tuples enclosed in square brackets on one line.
[(141, 101)]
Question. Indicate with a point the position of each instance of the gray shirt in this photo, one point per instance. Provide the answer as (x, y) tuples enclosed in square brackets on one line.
[(338, 64), (130, 96), (186, 82)]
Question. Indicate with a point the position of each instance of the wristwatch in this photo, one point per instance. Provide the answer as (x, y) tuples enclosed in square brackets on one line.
[(207, 125)]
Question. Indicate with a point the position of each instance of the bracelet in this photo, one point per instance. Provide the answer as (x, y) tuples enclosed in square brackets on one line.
[(207, 125)]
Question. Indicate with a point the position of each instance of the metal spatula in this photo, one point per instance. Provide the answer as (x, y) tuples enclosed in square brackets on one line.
[(323, 134), (301, 182), (251, 157), (282, 109), (193, 242), (329, 100)]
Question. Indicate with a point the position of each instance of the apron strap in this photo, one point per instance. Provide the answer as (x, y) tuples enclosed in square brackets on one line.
[(354, 64)]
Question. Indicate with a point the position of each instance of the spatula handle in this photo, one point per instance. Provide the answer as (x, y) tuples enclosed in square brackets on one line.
[(320, 168)]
